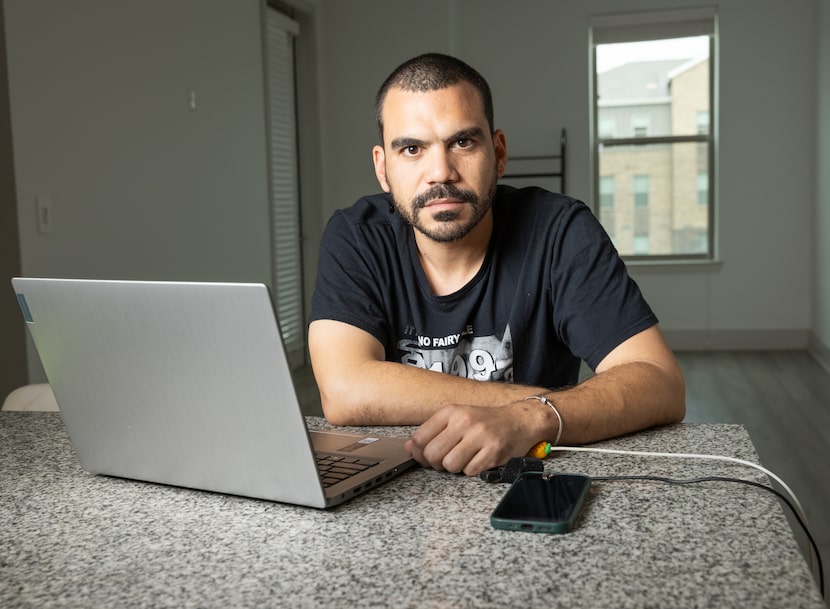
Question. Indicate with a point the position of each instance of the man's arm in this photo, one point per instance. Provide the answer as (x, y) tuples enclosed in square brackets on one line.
[(638, 385), (358, 387), (471, 426)]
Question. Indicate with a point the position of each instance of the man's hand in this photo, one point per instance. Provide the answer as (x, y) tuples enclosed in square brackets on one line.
[(637, 385), (471, 439)]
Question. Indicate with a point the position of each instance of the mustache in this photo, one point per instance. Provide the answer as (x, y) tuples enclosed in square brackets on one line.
[(443, 191)]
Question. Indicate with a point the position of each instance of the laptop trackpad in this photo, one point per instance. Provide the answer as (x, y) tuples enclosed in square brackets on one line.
[(334, 442)]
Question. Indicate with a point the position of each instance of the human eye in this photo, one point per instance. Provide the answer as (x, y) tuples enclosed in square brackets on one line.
[(466, 140), (407, 147)]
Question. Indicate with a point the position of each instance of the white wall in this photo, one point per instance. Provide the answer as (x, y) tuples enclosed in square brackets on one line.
[(535, 55), (144, 188), (821, 326), (141, 186)]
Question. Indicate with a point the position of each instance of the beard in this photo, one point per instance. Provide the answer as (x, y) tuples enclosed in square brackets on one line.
[(449, 225)]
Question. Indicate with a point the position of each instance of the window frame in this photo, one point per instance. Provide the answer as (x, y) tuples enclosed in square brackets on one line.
[(659, 25)]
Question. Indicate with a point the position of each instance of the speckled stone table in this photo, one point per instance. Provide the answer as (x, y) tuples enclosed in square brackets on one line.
[(72, 539)]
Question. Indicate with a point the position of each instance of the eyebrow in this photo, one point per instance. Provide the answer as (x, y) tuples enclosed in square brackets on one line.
[(404, 142), (472, 133)]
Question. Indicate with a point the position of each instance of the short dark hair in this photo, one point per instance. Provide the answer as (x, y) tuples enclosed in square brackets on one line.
[(430, 72)]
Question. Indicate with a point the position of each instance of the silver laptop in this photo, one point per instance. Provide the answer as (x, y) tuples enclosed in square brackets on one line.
[(187, 384)]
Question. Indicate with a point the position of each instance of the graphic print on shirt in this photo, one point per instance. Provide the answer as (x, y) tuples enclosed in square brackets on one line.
[(483, 358)]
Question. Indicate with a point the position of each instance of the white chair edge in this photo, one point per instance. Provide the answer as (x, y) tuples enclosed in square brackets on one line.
[(37, 397)]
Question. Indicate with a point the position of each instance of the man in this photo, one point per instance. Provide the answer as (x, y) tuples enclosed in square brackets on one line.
[(448, 280)]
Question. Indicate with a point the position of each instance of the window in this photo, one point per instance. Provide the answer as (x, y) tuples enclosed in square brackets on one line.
[(606, 203), (641, 191), (703, 122), (654, 78), (606, 192), (641, 245), (640, 126), (607, 127), (284, 185), (702, 189)]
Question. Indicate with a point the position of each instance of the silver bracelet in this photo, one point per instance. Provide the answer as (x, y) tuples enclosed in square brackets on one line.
[(545, 400)]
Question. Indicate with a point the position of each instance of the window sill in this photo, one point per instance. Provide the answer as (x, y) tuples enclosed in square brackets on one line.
[(674, 264)]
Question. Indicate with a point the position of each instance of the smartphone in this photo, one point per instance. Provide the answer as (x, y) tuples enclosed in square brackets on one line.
[(541, 503)]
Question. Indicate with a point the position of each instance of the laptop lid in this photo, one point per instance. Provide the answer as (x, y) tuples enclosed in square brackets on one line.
[(183, 383)]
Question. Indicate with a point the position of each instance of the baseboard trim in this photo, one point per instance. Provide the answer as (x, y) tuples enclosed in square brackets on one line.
[(820, 351), (738, 340)]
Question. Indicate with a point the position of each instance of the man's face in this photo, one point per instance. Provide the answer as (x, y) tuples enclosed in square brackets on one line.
[(439, 160)]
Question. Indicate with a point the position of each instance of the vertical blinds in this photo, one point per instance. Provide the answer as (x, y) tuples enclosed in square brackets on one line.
[(284, 190)]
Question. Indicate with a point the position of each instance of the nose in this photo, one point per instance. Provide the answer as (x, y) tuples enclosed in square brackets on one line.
[(441, 168)]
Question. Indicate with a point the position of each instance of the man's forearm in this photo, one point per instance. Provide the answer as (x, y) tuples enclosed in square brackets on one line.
[(638, 385), (388, 393), (620, 400)]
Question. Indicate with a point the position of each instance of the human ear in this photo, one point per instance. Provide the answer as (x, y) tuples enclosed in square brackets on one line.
[(379, 159), (500, 147)]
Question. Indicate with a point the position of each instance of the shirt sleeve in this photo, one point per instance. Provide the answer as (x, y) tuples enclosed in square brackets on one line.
[(347, 285), (597, 305)]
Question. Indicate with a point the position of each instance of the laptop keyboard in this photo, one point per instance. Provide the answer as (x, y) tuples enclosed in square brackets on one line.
[(336, 468)]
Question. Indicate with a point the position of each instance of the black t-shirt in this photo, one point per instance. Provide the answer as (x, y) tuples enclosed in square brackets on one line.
[(552, 290)]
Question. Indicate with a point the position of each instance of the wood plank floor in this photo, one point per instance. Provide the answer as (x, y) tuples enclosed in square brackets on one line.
[(783, 399)]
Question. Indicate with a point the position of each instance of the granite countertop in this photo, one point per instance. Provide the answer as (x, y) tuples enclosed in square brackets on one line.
[(72, 539)]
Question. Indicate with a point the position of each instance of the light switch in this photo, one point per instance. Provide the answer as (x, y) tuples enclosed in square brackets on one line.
[(45, 220)]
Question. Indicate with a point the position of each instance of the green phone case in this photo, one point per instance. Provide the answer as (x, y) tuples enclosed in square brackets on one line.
[(542, 503)]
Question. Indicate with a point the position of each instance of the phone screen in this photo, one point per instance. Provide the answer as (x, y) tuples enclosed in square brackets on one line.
[(542, 503)]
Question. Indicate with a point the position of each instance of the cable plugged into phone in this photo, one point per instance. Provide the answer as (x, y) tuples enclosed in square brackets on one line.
[(513, 469)]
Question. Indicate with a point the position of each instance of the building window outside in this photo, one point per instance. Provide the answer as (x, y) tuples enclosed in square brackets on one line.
[(641, 189), (606, 192), (702, 189), (640, 126), (653, 74), (703, 122), (607, 127), (606, 203)]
